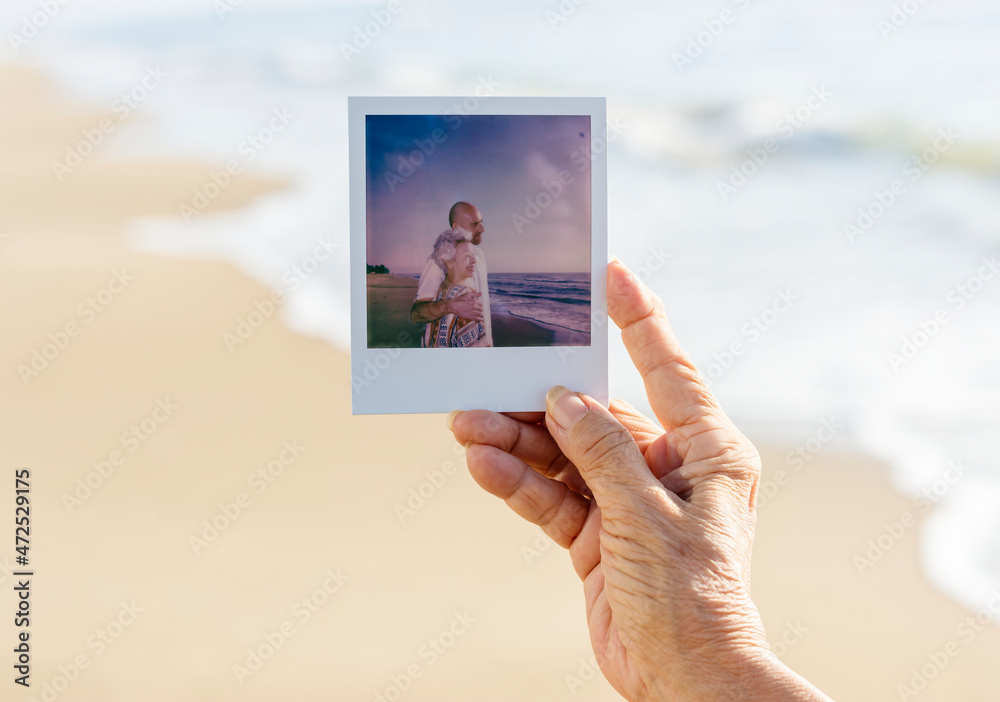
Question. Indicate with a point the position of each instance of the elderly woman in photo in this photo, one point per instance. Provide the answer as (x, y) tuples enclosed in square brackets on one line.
[(453, 253)]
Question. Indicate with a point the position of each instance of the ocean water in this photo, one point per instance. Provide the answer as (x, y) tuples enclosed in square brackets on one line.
[(558, 299), (813, 190)]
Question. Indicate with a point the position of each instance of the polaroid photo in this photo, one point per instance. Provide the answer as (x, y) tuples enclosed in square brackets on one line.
[(478, 252)]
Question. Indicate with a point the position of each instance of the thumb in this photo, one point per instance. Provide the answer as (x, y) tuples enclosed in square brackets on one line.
[(603, 451)]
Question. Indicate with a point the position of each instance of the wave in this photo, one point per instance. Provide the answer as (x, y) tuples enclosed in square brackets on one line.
[(557, 299), (566, 300)]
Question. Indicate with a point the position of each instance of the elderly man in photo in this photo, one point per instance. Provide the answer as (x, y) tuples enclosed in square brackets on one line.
[(473, 305)]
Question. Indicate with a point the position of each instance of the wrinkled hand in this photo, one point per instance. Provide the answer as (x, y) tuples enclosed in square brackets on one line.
[(468, 305), (658, 520)]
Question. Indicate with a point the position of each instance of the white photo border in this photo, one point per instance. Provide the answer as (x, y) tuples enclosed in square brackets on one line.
[(509, 379)]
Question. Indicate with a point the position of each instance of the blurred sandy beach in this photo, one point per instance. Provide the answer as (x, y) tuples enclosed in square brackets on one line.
[(252, 540)]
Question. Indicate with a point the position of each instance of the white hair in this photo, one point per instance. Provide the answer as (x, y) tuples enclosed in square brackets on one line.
[(447, 242)]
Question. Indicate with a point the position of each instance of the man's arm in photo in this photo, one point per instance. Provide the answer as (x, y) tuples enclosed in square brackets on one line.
[(426, 309), (466, 306)]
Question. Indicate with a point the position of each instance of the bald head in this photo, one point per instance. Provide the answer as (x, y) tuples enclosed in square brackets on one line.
[(468, 217)]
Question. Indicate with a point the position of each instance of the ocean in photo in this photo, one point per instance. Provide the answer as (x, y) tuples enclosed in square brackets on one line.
[(853, 262), (556, 299)]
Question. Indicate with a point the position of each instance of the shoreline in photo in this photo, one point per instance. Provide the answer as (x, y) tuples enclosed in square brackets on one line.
[(390, 297)]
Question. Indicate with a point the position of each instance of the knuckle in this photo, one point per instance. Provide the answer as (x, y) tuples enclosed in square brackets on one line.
[(738, 455), (549, 512), (603, 446), (743, 458)]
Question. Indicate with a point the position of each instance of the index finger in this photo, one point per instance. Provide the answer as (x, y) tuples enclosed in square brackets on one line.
[(676, 391)]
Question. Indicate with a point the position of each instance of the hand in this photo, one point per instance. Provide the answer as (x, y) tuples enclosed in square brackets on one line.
[(468, 305), (658, 520)]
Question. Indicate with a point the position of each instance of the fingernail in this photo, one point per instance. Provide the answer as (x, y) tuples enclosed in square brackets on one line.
[(615, 259), (565, 406), (468, 444), (451, 417)]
